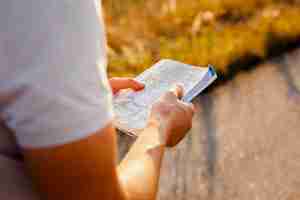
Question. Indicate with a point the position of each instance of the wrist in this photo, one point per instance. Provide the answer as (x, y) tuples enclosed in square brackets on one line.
[(156, 128)]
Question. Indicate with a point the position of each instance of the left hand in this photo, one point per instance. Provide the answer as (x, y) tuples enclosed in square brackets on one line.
[(118, 84)]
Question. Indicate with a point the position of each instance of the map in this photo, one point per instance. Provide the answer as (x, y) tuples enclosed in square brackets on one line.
[(132, 108)]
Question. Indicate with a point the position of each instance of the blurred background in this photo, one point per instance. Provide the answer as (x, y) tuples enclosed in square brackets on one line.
[(199, 32), (245, 142)]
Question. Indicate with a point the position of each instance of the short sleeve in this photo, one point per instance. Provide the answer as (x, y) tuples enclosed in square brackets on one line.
[(54, 71)]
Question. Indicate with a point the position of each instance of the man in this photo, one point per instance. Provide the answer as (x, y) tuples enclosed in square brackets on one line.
[(56, 110)]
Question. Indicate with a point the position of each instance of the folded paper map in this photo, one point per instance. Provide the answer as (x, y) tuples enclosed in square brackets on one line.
[(132, 108)]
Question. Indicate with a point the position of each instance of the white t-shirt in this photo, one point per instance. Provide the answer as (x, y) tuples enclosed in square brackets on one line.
[(53, 82)]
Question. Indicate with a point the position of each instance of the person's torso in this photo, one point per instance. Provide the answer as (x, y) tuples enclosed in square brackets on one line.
[(22, 34)]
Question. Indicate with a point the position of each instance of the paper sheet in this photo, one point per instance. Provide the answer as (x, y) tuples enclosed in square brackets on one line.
[(132, 108)]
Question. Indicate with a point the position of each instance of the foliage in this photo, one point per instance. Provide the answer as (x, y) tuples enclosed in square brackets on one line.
[(218, 32)]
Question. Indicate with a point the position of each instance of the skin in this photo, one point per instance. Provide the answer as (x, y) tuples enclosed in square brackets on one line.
[(87, 169), (118, 84)]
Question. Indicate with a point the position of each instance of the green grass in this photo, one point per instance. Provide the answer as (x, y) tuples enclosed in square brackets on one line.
[(217, 32)]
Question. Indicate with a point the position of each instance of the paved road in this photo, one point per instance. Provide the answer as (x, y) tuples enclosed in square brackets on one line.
[(245, 142)]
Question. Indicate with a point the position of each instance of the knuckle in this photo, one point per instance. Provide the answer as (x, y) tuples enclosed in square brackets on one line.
[(162, 107), (169, 94), (189, 108)]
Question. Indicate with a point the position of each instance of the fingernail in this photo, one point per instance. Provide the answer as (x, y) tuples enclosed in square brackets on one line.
[(174, 89), (141, 85)]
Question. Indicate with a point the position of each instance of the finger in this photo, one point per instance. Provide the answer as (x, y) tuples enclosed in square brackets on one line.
[(190, 107), (173, 94), (169, 97), (177, 90), (187, 110), (187, 113), (125, 83)]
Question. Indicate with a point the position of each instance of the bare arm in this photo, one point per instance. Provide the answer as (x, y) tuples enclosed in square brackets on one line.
[(87, 169), (170, 121), (139, 171)]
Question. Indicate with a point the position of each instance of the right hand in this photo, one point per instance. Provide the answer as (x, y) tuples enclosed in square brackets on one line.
[(174, 117)]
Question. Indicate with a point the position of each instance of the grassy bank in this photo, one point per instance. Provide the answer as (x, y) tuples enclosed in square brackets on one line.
[(222, 33)]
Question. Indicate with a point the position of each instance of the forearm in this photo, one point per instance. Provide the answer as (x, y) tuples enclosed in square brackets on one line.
[(86, 168), (140, 169)]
